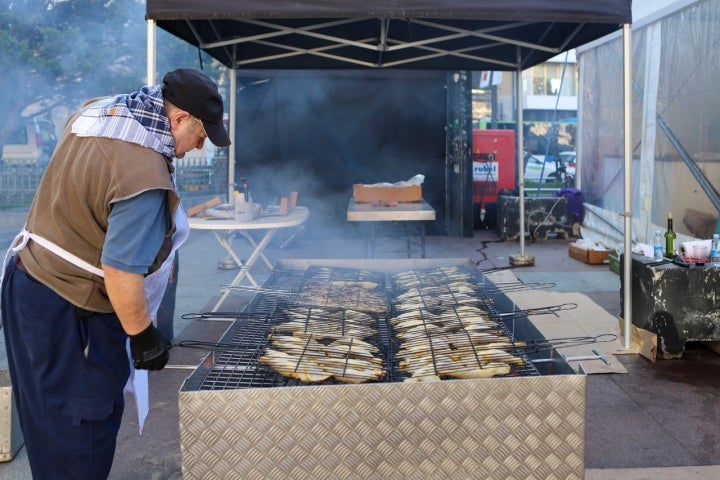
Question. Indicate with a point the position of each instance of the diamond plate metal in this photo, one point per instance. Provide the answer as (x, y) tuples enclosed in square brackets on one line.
[(504, 428), (11, 437)]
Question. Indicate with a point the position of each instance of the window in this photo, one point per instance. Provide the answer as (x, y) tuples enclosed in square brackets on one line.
[(547, 79)]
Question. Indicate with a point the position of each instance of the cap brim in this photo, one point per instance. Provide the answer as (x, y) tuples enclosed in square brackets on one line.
[(217, 134)]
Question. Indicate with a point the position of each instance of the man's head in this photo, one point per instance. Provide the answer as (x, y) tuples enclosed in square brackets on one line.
[(194, 92)]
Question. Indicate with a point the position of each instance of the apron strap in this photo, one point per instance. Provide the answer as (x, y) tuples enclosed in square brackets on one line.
[(21, 240), (61, 252)]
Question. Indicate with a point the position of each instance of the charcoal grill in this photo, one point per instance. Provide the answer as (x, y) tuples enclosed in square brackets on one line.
[(241, 419)]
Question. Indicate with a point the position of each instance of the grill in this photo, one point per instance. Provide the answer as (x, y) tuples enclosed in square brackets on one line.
[(239, 418), (451, 312)]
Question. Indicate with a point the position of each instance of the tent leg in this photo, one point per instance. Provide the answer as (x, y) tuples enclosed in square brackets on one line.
[(231, 128), (627, 214), (520, 259), (151, 53)]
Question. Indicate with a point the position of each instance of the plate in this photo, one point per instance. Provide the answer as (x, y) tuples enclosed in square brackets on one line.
[(224, 210)]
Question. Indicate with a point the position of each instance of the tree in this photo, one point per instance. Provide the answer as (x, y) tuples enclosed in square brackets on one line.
[(62, 52), (23, 31)]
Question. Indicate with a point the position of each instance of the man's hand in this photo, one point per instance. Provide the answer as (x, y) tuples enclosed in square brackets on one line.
[(150, 349)]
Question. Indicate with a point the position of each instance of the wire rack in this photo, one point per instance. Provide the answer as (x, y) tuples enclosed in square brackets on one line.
[(292, 302)]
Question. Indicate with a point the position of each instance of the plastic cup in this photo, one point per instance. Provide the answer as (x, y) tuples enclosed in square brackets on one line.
[(700, 252)]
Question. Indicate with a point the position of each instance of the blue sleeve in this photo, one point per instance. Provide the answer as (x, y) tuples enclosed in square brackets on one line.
[(136, 230)]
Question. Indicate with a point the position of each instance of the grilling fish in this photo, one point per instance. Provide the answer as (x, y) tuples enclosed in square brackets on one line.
[(303, 357), (424, 374), (343, 294), (351, 348), (299, 368), (488, 371), (349, 370)]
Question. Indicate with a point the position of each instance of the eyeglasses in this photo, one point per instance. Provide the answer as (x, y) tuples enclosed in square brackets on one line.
[(202, 127)]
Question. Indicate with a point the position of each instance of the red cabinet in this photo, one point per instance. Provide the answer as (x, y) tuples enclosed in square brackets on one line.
[(493, 169)]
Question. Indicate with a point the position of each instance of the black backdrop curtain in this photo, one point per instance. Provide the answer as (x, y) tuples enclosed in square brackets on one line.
[(320, 132)]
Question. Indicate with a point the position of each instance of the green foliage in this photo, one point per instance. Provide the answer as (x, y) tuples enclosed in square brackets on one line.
[(62, 52)]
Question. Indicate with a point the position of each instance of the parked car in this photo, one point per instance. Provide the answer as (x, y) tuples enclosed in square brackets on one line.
[(30, 143), (537, 167), (570, 161)]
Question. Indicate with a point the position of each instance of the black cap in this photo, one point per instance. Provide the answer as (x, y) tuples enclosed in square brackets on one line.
[(194, 92)]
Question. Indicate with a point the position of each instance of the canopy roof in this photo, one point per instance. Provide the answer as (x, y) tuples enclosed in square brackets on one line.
[(408, 34)]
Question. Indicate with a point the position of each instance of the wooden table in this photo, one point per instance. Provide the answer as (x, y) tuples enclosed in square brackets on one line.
[(404, 213)]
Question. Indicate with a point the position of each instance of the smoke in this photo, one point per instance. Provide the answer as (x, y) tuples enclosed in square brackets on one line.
[(313, 132), (319, 133), (57, 54)]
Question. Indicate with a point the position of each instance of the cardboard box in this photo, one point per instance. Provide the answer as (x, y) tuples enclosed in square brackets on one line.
[(593, 257), (11, 438), (367, 194)]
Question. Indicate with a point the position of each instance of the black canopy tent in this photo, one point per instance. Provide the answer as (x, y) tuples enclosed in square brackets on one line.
[(418, 34), (449, 35)]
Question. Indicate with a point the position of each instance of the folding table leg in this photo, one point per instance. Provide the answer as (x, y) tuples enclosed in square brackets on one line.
[(370, 244), (408, 231), (245, 268), (257, 253), (255, 245), (225, 242)]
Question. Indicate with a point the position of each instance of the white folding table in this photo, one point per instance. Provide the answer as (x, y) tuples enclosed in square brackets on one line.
[(224, 228)]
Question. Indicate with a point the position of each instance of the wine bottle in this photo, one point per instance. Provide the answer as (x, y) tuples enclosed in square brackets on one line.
[(670, 238)]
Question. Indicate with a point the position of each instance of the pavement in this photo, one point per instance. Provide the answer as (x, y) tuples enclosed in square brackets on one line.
[(658, 421)]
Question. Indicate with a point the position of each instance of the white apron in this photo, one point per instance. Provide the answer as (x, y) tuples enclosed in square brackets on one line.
[(155, 285)]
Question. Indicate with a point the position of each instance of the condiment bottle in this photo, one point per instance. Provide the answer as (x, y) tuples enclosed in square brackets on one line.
[(670, 238), (245, 188)]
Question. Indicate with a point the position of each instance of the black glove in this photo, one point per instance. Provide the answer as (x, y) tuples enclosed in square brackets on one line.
[(150, 349)]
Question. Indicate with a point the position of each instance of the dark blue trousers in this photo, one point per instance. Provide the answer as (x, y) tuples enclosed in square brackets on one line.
[(68, 368)]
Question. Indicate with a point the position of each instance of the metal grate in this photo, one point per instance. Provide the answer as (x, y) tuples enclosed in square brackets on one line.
[(293, 299), (472, 332)]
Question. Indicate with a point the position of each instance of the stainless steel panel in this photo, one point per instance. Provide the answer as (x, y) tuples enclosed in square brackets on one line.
[(504, 428), (11, 437), (528, 427)]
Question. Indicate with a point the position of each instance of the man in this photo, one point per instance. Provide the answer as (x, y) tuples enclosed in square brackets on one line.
[(92, 264)]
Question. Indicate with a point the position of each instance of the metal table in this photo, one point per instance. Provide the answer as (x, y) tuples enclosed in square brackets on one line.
[(224, 228), (417, 212)]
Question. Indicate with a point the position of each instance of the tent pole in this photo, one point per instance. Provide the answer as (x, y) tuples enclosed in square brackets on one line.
[(151, 52), (521, 259), (231, 128), (521, 158), (627, 117)]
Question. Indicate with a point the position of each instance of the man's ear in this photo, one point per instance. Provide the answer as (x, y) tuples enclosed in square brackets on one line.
[(176, 118)]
